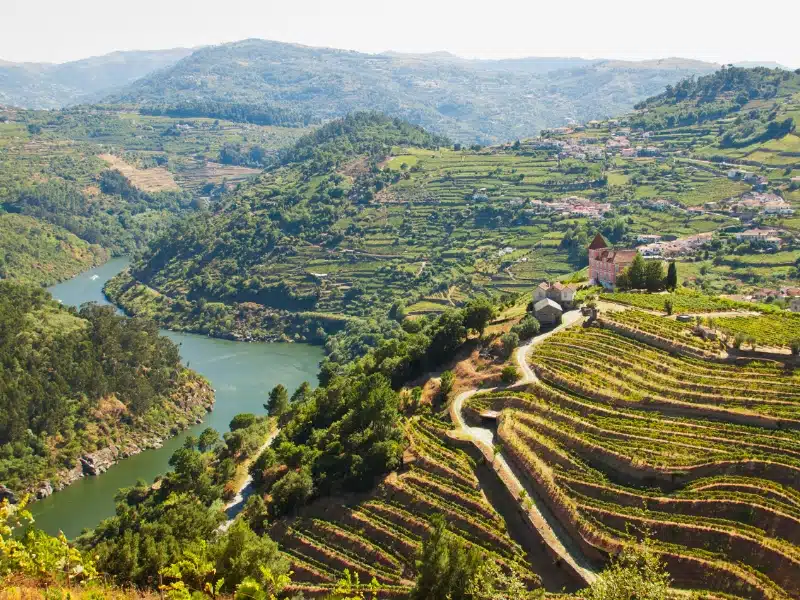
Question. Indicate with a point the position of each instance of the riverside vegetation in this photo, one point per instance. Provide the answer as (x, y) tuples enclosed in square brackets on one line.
[(75, 382)]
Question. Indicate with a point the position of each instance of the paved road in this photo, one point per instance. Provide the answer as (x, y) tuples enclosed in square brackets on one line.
[(539, 515)]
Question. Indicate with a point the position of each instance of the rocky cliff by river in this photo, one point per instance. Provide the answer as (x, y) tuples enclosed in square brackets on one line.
[(187, 406)]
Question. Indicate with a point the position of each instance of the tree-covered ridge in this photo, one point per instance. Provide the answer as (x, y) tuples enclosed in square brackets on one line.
[(259, 114), (40, 253), (372, 134), (75, 381), (711, 97), (742, 84)]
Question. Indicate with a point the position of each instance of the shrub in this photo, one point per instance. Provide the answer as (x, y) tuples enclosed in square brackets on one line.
[(509, 374), (242, 421), (795, 346), (526, 328), (668, 306), (738, 341), (509, 341)]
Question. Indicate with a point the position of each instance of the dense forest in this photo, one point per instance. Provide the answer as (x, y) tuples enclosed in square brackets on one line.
[(75, 381), (260, 114)]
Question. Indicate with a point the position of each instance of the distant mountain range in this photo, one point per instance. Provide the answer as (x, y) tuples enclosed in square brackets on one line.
[(468, 100), (46, 85)]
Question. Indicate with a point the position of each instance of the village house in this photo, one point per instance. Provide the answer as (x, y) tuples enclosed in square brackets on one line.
[(740, 174), (605, 264), (558, 292), (680, 247), (547, 312), (647, 238), (756, 235)]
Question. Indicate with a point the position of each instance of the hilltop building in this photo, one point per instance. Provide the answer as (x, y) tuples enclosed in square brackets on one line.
[(605, 263), (564, 295), (547, 312)]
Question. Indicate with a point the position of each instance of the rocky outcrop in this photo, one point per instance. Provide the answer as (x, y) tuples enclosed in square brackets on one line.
[(7, 494), (189, 405), (98, 462), (44, 490)]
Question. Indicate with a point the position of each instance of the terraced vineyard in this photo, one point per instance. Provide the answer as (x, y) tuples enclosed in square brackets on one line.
[(779, 329), (712, 477), (658, 329), (380, 536), (684, 301), (609, 367)]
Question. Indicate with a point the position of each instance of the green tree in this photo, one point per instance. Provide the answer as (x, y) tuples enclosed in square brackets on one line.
[(509, 374), (208, 439), (668, 306), (446, 566), (242, 421), (491, 582), (446, 383), (637, 273), (302, 392), (241, 554), (278, 402), (636, 573), (478, 313), (291, 492), (527, 327), (671, 281), (509, 341), (654, 275)]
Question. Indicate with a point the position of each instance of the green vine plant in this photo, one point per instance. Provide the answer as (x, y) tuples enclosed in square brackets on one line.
[(37, 554)]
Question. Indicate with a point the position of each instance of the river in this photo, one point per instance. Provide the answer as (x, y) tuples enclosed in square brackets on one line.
[(242, 375)]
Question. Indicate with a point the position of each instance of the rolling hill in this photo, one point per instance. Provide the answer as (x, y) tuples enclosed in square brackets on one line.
[(44, 85), (468, 100)]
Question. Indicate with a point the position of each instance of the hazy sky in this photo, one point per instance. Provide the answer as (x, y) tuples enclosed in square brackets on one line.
[(721, 31)]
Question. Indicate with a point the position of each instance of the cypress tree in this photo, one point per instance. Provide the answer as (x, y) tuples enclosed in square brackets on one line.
[(672, 276)]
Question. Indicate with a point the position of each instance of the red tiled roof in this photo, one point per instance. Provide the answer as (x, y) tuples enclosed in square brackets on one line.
[(598, 242)]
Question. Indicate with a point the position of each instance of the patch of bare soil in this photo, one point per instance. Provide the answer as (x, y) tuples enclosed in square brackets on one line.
[(157, 179), (216, 173), (355, 167)]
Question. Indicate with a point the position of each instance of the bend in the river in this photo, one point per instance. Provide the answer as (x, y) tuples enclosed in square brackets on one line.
[(241, 374)]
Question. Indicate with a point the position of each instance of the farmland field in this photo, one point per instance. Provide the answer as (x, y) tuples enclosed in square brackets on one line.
[(683, 301), (776, 329)]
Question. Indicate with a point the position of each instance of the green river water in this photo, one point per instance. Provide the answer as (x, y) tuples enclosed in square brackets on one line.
[(242, 375)]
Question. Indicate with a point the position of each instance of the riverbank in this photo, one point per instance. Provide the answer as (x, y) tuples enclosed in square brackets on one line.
[(187, 406), (241, 321), (240, 374)]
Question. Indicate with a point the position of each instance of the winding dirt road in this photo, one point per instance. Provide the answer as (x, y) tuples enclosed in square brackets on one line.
[(538, 515), (236, 504)]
